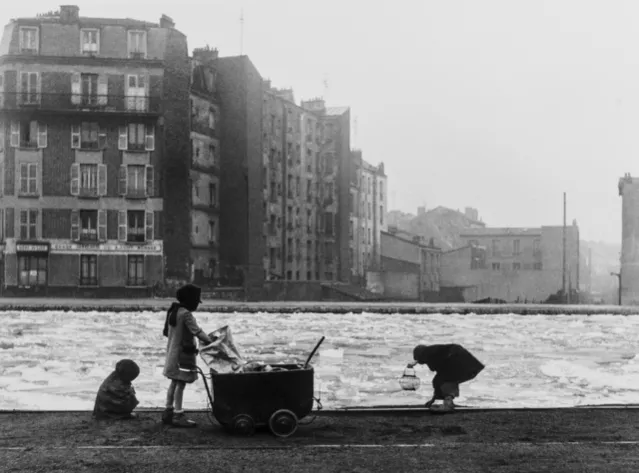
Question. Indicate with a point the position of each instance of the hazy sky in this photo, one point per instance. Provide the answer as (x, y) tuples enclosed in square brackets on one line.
[(497, 104)]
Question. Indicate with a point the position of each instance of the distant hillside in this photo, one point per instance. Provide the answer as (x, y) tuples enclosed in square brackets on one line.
[(441, 223)]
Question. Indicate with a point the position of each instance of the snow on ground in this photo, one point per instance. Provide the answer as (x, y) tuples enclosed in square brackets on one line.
[(57, 360)]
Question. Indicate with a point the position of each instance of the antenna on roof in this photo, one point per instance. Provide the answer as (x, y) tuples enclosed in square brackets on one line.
[(241, 31), (325, 88)]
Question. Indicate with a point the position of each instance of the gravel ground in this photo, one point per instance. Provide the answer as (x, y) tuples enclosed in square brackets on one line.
[(564, 440)]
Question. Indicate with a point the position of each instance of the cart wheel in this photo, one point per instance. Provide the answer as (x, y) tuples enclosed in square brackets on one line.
[(283, 423), (243, 424)]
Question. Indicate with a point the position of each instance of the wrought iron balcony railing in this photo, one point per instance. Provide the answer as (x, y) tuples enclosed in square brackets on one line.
[(128, 104)]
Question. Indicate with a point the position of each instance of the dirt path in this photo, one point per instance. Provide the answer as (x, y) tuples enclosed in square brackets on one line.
[(501, 441)]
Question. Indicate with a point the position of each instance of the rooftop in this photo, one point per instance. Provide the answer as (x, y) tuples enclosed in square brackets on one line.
[(336, 111)]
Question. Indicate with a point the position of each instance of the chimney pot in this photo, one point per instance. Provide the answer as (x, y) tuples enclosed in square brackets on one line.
[(69, 14)]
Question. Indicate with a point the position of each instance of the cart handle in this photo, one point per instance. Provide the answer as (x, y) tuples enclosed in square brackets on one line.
[(313, 352)]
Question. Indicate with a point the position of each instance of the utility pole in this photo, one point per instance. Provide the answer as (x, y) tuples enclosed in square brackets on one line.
[(563, 271), (619, 277)]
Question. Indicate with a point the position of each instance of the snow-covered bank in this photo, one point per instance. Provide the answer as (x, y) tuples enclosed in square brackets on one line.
[(56, 360)]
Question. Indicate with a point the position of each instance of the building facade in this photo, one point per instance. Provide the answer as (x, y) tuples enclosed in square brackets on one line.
[(241, 229), (204, 172), (513, 264), (302, 151), (367, 207), (81, 148), (629, 192), (409, 267)]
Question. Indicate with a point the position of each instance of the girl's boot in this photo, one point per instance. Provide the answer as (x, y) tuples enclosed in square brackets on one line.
[(167, 416)]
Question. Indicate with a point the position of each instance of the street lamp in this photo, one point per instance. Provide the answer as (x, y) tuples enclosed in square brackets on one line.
[(619, 276)]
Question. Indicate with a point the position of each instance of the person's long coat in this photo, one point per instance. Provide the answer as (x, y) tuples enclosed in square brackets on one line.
[(181, 348), (115, 399)]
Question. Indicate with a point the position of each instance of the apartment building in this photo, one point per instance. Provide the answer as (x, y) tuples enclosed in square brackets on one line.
[(524, 264), (368, 206), (82, 120), (333, 193), (204, 172)]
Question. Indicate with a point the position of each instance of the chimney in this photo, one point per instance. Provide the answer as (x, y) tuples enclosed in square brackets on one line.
[(69, 14), (166, 22)]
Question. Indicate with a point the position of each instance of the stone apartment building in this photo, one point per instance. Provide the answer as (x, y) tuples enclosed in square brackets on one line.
[(301, 159), (205, 168), (524, 264), (81, 158), (367, 207), (109, 156)]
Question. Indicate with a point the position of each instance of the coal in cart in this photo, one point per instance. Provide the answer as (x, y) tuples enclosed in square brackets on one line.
[(276, 396)]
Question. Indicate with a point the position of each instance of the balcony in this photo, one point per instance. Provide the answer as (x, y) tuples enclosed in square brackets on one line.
[(136, 194), (88, 235), (136, 235), (88, 192), (63, 103)]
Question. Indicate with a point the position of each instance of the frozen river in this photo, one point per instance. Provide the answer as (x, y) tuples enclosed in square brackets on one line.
[(56, 360)]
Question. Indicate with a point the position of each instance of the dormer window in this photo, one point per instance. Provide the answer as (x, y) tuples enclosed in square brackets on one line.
[(28, 40), (137, 44), (90, 41)]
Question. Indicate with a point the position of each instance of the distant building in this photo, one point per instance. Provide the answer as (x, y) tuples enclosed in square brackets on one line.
[(368, 207), (629, 192), (409, 269), (513, 264)]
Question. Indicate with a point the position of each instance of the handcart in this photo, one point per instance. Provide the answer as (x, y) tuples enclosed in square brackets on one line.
[(242, 402)]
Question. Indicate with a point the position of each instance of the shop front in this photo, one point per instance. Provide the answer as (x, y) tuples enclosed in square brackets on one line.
[(66, 269)]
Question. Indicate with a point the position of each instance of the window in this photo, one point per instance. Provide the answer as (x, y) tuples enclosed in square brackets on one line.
[(88, 270), (495, 247), (136, 92), (28, 134), (212, 231), (351, 231), (28, 179), (32, 270), (537, 266), (135, 275), (137, 44), (496, 266), (137, 181), (29, 88), (135, 226), (88, 135), (89, 225), (90, 41), (88, 180), (212, 194), (212, 119), (137, 137), (381, 215), (536, 248), (89, 83), (28, 40), (516, 266), (516, 247), (289, 275), (28, 224), (309, 275)]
